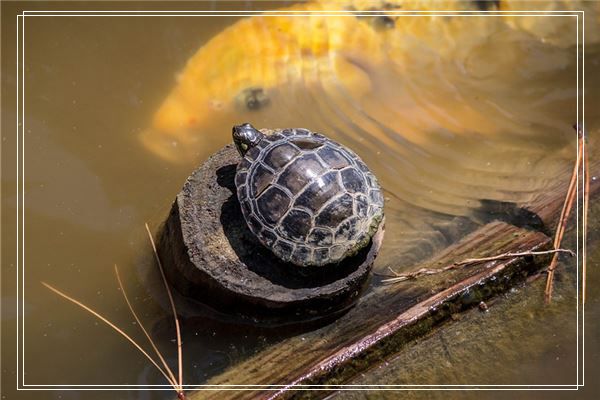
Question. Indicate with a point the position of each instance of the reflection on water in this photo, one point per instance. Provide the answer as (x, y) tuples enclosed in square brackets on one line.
[(447, 111)]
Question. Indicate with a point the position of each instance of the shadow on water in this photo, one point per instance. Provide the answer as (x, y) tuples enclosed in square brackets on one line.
[(511, 213)]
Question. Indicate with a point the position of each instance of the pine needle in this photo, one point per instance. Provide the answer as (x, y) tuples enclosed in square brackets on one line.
[(426, 271), (513, 255), (113, 326), (564, 215), (173, 309), (586, 199), (144, 329)]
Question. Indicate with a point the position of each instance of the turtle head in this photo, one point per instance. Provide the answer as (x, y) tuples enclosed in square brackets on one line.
[(245, 137)]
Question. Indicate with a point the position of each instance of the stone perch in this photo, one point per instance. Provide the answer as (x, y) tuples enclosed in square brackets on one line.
[(211, 255)]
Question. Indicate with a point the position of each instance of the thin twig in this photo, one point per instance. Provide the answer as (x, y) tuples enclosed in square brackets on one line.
[(414, 275), (564, 215), (469, 261), (143, 328), (586, 198), (512, 255), (173, 309), (113, 326)]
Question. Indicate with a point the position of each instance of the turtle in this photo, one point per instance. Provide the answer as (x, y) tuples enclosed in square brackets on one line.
[(309, 199)]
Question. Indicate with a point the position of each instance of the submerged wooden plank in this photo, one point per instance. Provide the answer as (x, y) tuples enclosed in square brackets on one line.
[(389, 316), (320, 355), (511, 344)]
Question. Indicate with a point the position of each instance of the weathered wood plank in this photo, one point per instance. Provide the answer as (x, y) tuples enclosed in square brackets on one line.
[(293, 360), (417, 320), (389, 316)]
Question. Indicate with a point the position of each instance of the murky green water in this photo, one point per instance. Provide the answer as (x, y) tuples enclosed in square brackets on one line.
[(443, 116)]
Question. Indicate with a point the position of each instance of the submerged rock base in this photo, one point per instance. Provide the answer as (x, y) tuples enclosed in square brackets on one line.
[(210, 255)]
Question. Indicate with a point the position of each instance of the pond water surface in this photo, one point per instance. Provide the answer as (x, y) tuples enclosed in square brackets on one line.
[(447, 111)]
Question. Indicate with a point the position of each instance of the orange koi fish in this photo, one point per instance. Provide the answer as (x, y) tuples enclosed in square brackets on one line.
[(366, 67)]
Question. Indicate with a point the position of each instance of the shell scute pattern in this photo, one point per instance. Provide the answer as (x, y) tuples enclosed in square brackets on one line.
[(333, 157), (317, 193), (244, 165), (337, 210), (300, 254), (261, 179), (296, 225), (269, 237), (362, 205), (300, 172), (240, 179), (308, 198), (307, 143), (252, 154), (353, 181), (321, 255), (242, 193), (283, 249), (376, 196), (272, 204), (281, 154), (320, 236), (346, 229)]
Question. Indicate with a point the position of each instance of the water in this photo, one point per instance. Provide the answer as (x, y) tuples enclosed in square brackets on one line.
[(444, 117)]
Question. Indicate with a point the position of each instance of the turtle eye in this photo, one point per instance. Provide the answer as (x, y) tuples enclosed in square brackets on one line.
[(252, 99)]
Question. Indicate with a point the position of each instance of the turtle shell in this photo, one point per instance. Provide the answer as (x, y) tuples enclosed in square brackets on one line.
[(309, 199)]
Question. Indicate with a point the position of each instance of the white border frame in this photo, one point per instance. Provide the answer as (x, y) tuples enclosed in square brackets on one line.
[(21, 196)]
